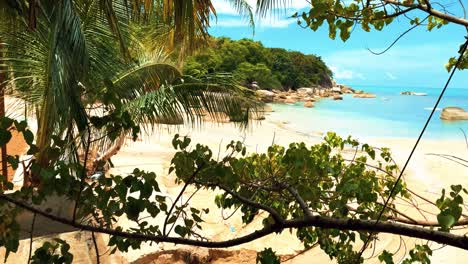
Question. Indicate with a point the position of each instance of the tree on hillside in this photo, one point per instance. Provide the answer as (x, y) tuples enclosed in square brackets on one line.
[(258, 72), (330, 194), (285, 69)]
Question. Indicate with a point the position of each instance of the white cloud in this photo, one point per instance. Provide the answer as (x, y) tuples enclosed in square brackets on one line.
[(345, 74), (405, 64), (269, 23), (224, 7), (229, 17)]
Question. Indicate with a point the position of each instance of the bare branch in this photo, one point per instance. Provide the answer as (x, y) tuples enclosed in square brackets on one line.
[(187, 183), (31, 237), (315, 221), (96, 248)]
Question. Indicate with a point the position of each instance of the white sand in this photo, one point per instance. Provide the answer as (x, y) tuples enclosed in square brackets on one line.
[(425, 174)]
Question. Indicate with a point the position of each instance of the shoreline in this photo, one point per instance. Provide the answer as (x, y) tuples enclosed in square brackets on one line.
[(153, 152)]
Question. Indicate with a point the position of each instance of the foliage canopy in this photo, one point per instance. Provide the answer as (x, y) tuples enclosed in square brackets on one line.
[(271, 68)]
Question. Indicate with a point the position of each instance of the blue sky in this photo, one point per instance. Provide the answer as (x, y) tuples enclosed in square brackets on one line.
[(417, 60)]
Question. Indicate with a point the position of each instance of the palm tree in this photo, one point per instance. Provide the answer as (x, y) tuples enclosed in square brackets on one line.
[(81, 53)]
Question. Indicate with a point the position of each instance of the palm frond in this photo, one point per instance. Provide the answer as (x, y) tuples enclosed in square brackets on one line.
[(191, 98), (245, 10)]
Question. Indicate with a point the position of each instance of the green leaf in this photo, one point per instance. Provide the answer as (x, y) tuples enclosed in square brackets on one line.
[(21, 126), (267, 256), (33, 149), (14, 161), (5, 137), (386, 257), (5, 123), (446, 221), (181, 231)]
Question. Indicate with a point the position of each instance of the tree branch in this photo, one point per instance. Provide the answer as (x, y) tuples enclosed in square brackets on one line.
[(315, 221), (274, 214), (431, 11), (189, 181), (299, 199), (95, 248), (31, 237)]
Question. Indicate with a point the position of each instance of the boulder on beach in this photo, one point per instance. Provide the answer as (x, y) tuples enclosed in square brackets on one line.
[(337, 97), (364, 95), (305, 91), (336, 90), (265, 95), (309, 104), (454, 113), (307, 98), (347, 89), (290, 101)]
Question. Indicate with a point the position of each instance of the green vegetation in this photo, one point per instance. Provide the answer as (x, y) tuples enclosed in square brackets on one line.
[(94, 72), (72, 66), (271, 68)]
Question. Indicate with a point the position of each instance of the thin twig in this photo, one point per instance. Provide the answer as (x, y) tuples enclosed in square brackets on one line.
[(96, 248), (189, 181), (398, 38), (83, 174), (31, 237)]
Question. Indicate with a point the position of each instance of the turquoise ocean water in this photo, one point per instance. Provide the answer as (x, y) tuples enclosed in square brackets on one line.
[(390, 115)]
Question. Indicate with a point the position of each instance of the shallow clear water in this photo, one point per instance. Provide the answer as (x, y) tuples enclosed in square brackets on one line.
[(388, 115)]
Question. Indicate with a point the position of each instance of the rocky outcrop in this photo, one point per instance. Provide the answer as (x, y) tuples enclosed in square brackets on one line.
[(325, 81), (308, 98), (365, 95), (265, 95), (290, 101), (309, 104), (337, 97), (454, 113), (347, 89), (336, 90), (309, 94), (306, 91)]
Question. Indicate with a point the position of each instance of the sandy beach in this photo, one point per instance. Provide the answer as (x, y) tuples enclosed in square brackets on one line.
[(426, 175)]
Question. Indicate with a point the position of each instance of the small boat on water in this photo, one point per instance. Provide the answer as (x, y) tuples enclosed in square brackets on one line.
[(413, 93)]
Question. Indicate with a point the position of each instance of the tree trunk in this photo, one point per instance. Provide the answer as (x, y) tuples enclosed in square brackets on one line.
[(2, 114), (114, 149)]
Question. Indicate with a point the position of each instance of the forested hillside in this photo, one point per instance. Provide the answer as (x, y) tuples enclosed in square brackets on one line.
[(248, 61)]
